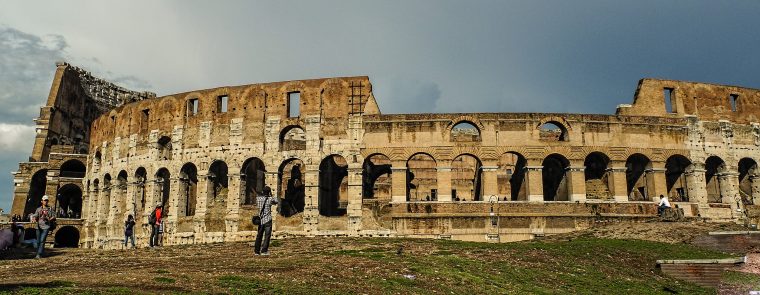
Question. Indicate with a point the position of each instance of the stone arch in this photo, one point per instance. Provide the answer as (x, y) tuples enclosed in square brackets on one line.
[(216, 200), (749, 186), (465, 131), (291, 188), (67, 237), (164, 147), (637, 178), (675, 178), (96, 160), (292, 137), (70, 201), (333, 186), (511, 176), (163, 186), (253, 180), (105, 200), (37, 187), (554, 177), (253, 97), (466, 178), (120, 200), (596, 175), (714, 168), (421, 177), (188, 187), (376, 177), (141, 177), (73, 169), (560, 123)]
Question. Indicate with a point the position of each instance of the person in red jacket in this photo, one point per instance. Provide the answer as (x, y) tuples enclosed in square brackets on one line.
[(155, 223)]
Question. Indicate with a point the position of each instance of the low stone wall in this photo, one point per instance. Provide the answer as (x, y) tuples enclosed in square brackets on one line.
[(703, 272), (731, 241)]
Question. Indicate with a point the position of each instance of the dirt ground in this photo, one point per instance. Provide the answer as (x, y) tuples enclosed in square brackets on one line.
[(655, 231)]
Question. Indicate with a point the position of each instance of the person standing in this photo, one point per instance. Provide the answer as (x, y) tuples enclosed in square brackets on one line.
[(44, 216), (155, 223), (264, 202), (129, 232)]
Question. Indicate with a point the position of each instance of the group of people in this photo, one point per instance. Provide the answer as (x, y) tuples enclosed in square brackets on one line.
[(264, 201)]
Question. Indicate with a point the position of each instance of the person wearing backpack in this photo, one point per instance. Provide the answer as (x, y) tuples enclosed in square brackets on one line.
[(155, 221), (129, 232), (264, 201)]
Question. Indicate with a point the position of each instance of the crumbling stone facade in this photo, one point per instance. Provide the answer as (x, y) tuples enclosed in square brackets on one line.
[(340, 167)]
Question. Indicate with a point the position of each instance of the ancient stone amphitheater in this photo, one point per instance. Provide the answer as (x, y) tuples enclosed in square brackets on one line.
[(342, 168)]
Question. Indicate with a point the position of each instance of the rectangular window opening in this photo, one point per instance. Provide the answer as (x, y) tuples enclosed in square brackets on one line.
[(145, 119), (669, 100), (192, 107), (732, 99), (221, 104), (294, 104)]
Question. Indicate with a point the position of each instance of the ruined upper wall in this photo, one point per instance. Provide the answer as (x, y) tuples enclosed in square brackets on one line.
[(709, 102), (76, 98)]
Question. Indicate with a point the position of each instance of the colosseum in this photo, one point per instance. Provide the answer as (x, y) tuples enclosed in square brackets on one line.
[(343, 168)]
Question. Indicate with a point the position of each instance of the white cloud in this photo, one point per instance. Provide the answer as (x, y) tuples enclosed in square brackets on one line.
[(16, 137)]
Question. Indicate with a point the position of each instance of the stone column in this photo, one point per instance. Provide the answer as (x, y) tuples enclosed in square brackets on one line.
[(311, 210), (576, 179), (110, 210), (534, 182), (232, 219), (201, 205), (656, 185), (398, 183), (618, 184), (755, 180), (695, 184), (443, 183), (354, 209), (131, 197), (490, 184), (729, 188)]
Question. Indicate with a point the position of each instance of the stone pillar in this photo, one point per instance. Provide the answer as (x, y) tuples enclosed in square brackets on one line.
[(729, 188), (232, 219), (311, 210), (490, 184), (534, 182), (618, 184), (398, 183), (696, 185), (576, 179), (110, 210), (656, 184), (443, 183), (201, 205), (131, 197), (354, 209)]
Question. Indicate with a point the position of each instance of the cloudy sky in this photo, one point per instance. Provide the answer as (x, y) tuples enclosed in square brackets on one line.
[(422, 56)]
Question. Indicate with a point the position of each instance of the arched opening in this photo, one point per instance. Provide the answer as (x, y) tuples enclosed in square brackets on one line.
[(552, 131), (554, 177), (188, 177), (466, 178), (421, 178), (465, 132), (36, 190), (715, 167), (67, 237), (218, 182), (597, 182), (675, 178), (292, 138), (163, 187), (253, 178), (53, 141), (95, 200), (636, 177), (747, 180), (141, 176), (511, 177), (73, 169), (97, 159), (164, 146), (376, 177), (105, 200), (333, 186), (291, 187), (70, 201), (121, 197)]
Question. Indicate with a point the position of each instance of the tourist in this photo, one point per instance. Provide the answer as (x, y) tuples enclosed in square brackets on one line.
[(129, 232), (155, 223), (664, 204), (44, 217), (264, 202)]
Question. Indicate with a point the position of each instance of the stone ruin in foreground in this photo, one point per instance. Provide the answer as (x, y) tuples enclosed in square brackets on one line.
[(342, 168)]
